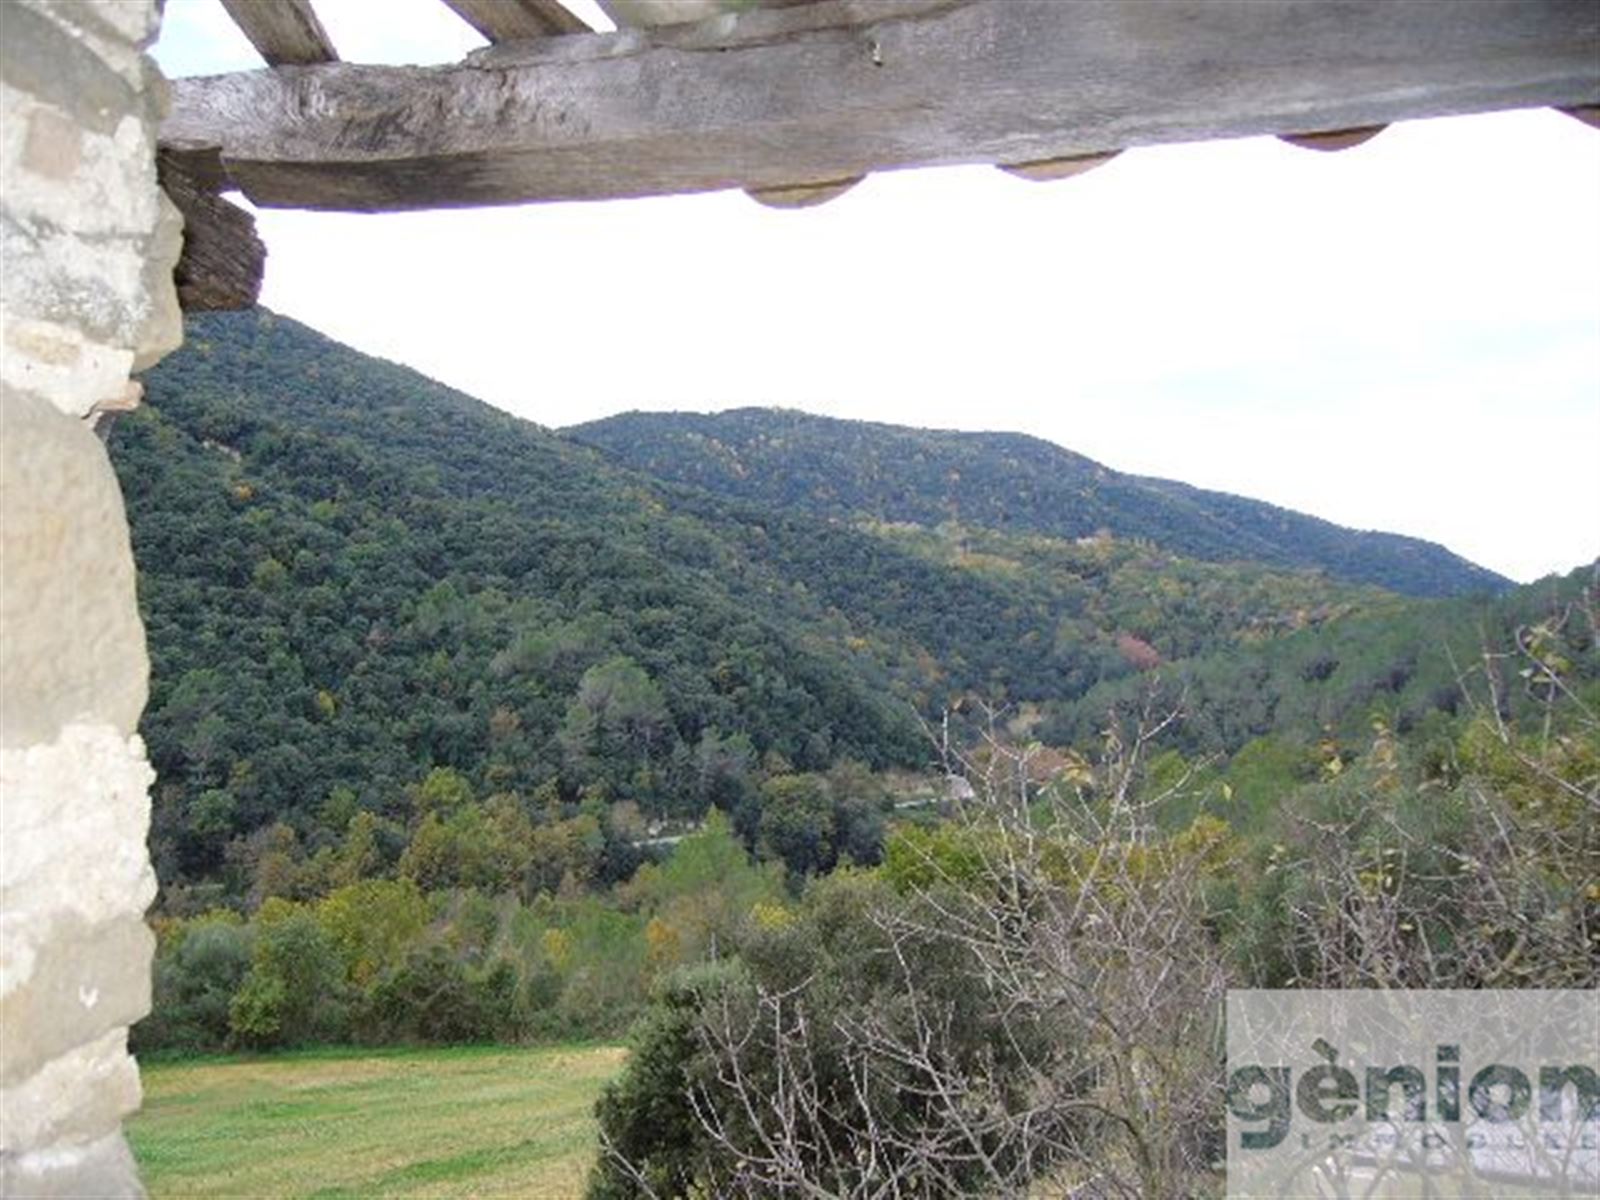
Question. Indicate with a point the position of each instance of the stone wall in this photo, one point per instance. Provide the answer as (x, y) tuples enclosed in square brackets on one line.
[(87, 245)]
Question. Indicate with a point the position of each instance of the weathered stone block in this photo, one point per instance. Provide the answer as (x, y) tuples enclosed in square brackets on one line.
[(101, 1169), (133, 22), (162, 330), (74, 824), (52, 145), (87, 242), (80, 1097), (87, 245), (73, 649), (93, 287), (54, 360), (65, 982), (42, 58), (108, 192)]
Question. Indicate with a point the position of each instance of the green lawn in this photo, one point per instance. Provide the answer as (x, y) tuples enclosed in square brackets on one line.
[(479, 1121)]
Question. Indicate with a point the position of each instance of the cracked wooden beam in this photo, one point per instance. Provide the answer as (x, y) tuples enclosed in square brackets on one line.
[(773, 99)]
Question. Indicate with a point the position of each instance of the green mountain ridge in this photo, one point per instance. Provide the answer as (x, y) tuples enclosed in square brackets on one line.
[(1006, 481), (352, 576)]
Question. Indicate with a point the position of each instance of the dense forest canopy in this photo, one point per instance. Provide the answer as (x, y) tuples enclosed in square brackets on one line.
[(1009, 482), (353, 576)]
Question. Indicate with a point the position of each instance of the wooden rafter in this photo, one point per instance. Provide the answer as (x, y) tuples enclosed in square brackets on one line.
[(513, 20), (788, 97), (284, 32)]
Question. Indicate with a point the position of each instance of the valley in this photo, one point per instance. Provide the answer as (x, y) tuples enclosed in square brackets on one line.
[(470, 732)]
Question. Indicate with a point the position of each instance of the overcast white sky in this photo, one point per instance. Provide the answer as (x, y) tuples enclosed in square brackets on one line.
[(1401, 336)]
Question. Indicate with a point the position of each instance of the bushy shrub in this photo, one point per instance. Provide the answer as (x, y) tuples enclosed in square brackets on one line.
[(646, 1114), (295, 991), (427, 998), (200, 964)]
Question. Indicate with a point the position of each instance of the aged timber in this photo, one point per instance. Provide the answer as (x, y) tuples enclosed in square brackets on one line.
[(514, 20), (223, 258), (790, 97), (284, 32)]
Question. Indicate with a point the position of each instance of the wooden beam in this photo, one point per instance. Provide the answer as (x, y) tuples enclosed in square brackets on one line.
[(284, 32), (639, 13), (513, 20), (223, 259), (841, 88)]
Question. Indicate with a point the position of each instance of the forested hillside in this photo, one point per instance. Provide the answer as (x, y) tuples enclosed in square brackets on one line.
[(1005, 481), (465, 731), (352, 576)]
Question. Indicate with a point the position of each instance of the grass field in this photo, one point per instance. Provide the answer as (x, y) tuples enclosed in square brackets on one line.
[(477, 1121)]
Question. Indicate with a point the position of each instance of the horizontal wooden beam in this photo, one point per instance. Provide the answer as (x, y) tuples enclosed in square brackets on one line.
[(284, 32), (513, 20), (777, 98)]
